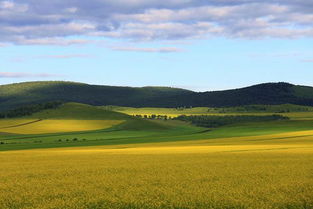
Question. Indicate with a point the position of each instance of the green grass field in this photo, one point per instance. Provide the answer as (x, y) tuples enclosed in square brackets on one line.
[(90, 157), (295, 112)]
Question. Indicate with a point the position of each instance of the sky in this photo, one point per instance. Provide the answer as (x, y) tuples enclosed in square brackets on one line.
[(200, 45)]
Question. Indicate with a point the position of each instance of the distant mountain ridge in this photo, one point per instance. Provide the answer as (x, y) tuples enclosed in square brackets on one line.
[(19, 94)]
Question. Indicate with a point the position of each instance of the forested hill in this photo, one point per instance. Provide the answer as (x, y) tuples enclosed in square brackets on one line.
[(268, 94), (16, 95)]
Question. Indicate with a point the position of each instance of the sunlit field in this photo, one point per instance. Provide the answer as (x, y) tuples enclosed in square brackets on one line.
[(156, 104), (7, 123), (54, 126), (181, 176), (285, 110), (57, 159)]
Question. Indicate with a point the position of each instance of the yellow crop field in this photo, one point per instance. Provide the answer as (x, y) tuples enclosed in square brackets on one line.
[(149, 176), (173, 112), (14, 122), (299, 115), (292, 116), (301, 138), (59, 126)]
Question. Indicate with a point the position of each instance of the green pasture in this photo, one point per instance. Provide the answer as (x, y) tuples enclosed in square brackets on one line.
[(137, 131)]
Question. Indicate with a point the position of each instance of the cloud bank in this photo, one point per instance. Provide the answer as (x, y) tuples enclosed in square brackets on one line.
[(51, 22), (24, 75), (150, 50), (65, 56)]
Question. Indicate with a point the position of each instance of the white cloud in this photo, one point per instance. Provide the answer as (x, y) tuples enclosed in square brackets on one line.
[(3, 45), (50, 41), (65, 56), (24, 75), (152, 50), (7, 5), (71, 9), (35, 20), (10, 6)]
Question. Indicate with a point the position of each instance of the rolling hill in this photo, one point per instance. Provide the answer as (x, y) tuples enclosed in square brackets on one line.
[(73, 117), (265, 94), (16, 95)]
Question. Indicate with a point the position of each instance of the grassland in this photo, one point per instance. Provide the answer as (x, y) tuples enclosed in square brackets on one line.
[(130, 130), (154, 164), (57, 126), (295, 112), (6, 123), (71, 117)]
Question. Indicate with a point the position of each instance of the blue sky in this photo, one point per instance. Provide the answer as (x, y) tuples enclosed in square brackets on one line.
[(199, 45)]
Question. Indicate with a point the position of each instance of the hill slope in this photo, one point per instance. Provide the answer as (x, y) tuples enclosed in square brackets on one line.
[(73, 117), (76, 111), (266, 94), (15, 95)]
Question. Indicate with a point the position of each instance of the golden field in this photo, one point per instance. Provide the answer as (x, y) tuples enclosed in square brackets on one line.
[(24, 126), (4, 123), (173, 112), (260, 173)]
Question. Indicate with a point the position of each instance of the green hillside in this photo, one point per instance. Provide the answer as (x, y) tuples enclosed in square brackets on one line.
[(75, 124), (74, 117), (79, 111), (16, 95), (268, 94)]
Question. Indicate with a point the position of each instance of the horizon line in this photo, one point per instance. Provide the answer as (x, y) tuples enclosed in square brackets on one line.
[(156, 86)]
